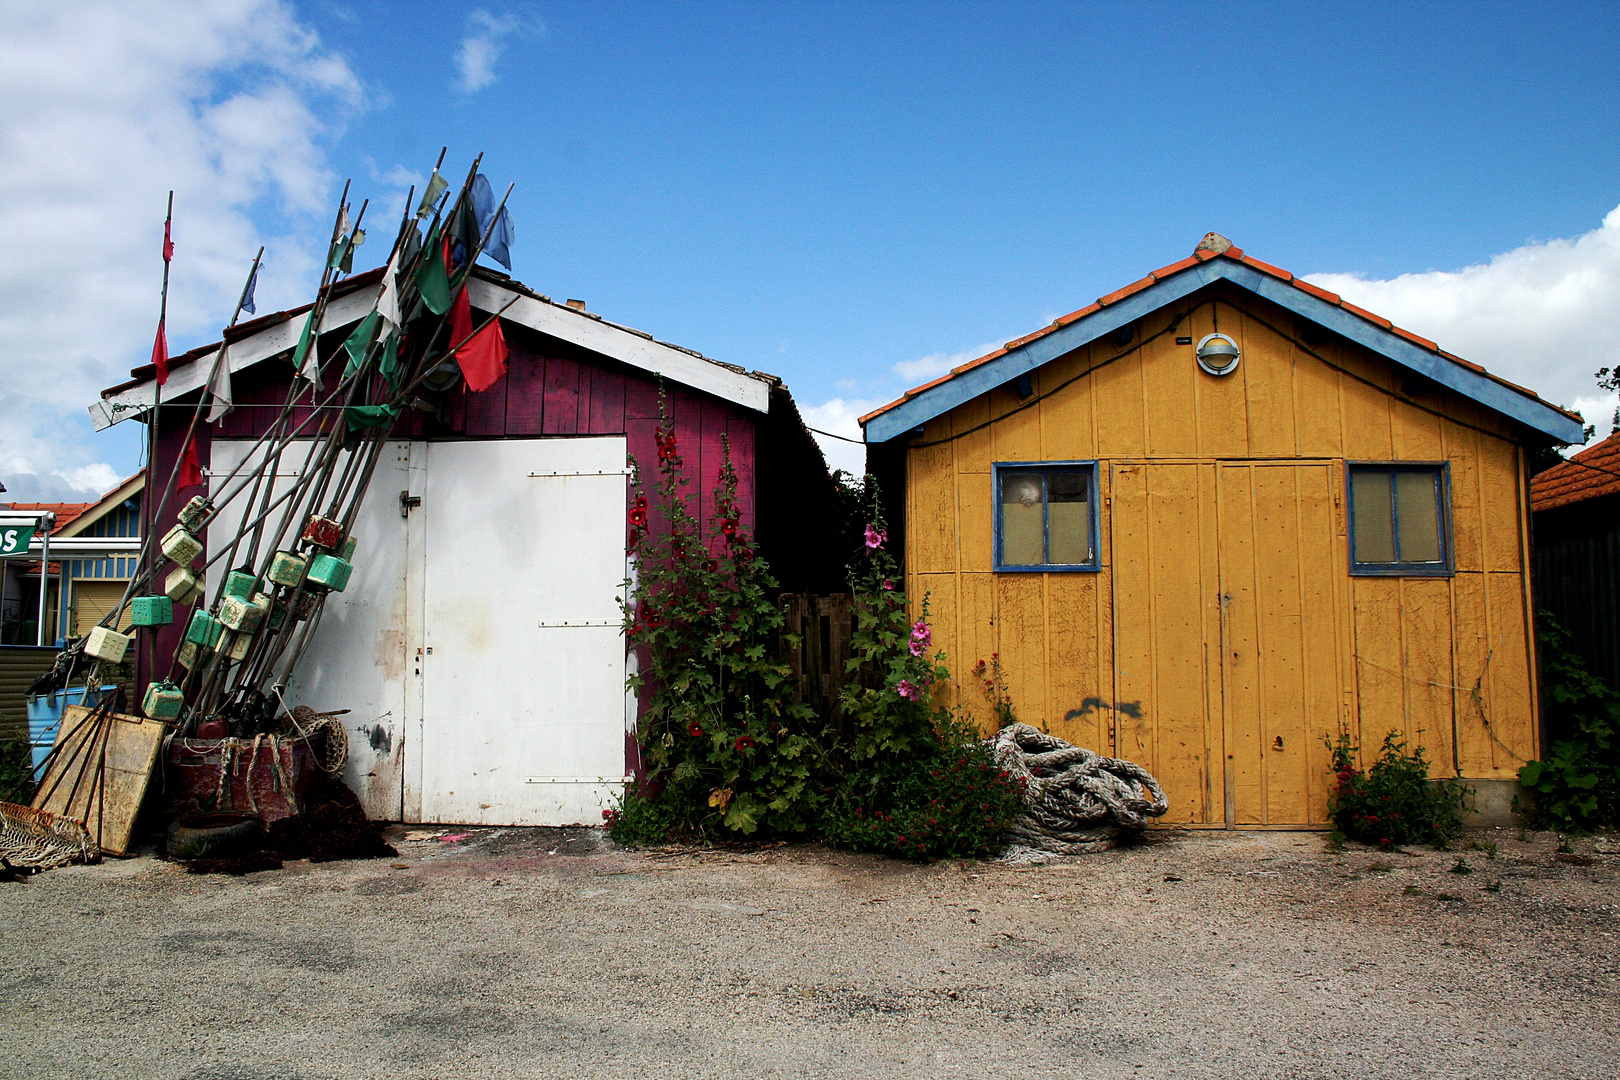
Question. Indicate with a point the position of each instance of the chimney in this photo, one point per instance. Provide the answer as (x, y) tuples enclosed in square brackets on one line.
[(579, 305), (1211, 242)]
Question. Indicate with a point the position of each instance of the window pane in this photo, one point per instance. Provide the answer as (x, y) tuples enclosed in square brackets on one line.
[(1068, 519), (1375, 527), (1417, 502), (1023, 520)]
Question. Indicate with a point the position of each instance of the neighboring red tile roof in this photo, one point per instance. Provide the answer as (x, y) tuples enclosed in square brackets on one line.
[(65, 512), (1590, 474), (1204, 254)]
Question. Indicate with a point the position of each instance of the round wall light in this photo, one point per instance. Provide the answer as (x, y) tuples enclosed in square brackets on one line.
[(1217, 354)]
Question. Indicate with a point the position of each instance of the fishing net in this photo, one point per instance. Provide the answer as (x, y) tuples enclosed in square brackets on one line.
[(42, 840), (1076, 801)]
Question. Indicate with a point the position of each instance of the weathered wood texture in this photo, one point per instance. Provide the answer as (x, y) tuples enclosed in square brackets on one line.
[(823, 627), (99, 772), (1224, 623)]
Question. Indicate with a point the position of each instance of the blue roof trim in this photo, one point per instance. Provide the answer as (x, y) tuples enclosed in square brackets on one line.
[(986, 377)]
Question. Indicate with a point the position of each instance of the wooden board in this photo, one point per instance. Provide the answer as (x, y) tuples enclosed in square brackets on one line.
[(99, 775)]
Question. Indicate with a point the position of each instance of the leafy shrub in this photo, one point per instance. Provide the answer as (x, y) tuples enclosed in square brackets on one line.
[(1394, 802), (952, 803), (1577, 787), (641, 821), (16, 772)]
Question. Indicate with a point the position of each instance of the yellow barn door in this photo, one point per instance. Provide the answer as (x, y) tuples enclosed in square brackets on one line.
[(1230, 594), (1285, 602)]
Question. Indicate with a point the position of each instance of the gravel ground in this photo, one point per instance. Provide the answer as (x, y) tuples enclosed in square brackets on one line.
[(546, 953)]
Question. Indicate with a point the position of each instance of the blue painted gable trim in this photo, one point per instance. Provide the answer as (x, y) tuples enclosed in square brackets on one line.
[(986, 377)]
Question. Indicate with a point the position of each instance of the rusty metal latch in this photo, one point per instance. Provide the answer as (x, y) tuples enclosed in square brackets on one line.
[(407, 503)]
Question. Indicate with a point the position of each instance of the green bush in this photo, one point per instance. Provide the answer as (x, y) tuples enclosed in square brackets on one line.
[(640, 821), (1394, 802), (953, 803), (1577, 787), (16, 768)]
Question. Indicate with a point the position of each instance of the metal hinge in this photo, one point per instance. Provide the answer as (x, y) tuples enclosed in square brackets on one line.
[(551, 625), (579, 779), (407, 503), (582, 472)]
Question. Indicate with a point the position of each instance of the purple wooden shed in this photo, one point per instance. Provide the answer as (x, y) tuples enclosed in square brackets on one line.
[(478, 645)]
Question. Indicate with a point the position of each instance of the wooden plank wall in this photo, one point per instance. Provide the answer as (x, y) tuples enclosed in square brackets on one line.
[(1445, 662)]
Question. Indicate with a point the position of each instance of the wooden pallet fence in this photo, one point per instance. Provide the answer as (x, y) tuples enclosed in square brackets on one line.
[(824, 625)]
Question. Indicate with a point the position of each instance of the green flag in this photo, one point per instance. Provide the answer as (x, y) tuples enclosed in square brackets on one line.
[(359, 342), (369, 416), (431, 280), (389, 365), (301, 355)]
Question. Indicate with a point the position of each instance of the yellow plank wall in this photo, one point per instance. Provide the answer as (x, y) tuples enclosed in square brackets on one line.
[(1225, 636)]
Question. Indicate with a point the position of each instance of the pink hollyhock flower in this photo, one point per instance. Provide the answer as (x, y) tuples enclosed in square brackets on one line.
[(888, 583), (875, 537), (921, 636), (908, 691)]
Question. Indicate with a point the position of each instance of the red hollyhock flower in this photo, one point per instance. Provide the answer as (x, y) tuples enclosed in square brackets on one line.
[(641, 502), (694, 729), (711, 566), (638, 517), (729, 526), (744, 743)]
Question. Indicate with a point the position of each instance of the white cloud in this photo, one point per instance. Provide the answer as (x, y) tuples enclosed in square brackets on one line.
[(839, 416), (932, 366), (483, 43), (1545, 315), (232, 104)]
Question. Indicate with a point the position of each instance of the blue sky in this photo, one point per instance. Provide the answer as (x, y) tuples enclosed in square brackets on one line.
[(850, 196)]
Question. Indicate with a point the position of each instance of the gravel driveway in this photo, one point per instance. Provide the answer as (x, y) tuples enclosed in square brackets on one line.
[(547, 953)]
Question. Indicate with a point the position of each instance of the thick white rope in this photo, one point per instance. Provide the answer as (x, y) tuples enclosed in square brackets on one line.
[(1076, 801)]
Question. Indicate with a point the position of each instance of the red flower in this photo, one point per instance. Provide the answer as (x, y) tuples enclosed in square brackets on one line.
[(641, 502), (695, 729), (744, 743), (638, 517), (729, 526), (711, 566)]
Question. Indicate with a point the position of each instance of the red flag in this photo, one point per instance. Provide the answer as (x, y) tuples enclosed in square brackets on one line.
[(190, 472), (461, 323), (160, 355), (168, 244), (483, 359)]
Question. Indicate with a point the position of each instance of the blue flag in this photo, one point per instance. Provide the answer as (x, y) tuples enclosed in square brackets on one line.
[(247, 295), (499, 244)]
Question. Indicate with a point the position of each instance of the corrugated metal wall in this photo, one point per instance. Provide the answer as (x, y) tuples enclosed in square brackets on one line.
[(20, 665), (1577, 578)]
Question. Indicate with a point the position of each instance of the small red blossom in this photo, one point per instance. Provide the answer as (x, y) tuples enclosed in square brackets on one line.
[(695, 730), (744, 743), (729, 526)]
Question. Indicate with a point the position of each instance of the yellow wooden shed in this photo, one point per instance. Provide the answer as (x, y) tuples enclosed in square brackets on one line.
[(1218, 517)]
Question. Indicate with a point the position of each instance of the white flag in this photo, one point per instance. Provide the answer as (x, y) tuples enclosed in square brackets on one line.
[(219, 385), (388, 300)]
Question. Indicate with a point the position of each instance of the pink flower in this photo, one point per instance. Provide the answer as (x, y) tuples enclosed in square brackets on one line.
[(875, 537), (888, 583), (908, 691), (921, 636)]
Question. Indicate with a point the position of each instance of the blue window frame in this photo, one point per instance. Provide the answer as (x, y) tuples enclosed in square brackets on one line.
[(1045, 516), (1400, 518)]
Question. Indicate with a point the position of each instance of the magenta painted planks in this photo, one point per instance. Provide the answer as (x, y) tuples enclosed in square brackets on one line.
[(740, 433), (486, 410), (604, 412), (525, 392), (562, 396)]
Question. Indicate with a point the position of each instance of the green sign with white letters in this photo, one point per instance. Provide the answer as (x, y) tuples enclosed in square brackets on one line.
[(14, 539)]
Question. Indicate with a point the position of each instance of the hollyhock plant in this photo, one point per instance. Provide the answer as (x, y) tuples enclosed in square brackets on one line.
[(921, 638), (875, 536)]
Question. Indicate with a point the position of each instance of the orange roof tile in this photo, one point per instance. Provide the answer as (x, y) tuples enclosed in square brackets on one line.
[(65, 512), (1204, 255), (1590, 474)]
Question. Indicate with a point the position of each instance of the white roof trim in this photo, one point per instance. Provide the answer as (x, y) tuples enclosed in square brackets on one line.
[(624, 345), (587, 331), (340, 312)]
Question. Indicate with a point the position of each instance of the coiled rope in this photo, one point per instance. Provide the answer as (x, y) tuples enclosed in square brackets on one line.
[(1076, 801)]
